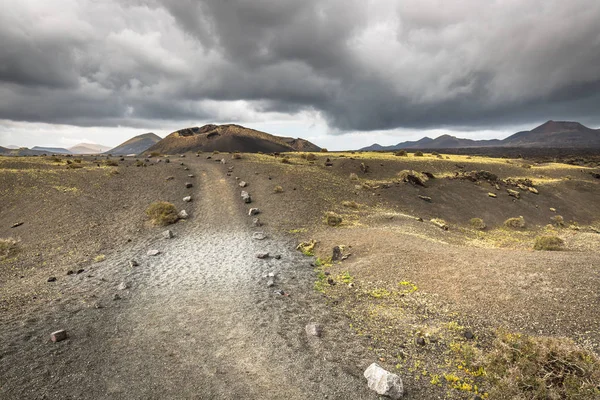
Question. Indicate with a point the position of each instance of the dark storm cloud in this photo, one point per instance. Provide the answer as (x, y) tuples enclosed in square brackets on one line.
[(363, 65)]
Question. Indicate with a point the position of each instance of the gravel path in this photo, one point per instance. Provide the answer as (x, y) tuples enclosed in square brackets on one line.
[(197, 321)]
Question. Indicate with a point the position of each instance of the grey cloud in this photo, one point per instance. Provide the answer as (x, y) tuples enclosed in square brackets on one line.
[(364, 65)]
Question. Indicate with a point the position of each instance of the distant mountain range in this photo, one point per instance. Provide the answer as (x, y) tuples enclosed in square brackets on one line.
[(228, 138), (552, 134), (136, 145), (88, 148)]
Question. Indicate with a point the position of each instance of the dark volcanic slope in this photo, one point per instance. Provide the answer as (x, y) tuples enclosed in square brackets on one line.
[(556, 134), (137, 144), (22, 151), (552, 134), (226, 138)]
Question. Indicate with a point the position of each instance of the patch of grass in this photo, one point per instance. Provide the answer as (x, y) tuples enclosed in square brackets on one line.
[(278, 189), (333, 219), (99, 258), (162, 213), (8, 247), (353, 177), (155, 154), (285, 160), (140, 163), (74, 166), (558, 221), (550, 243), (477, 223), (237, 155), (380, 293), (111, 163), (308, 156), (527, 367), (307, 248), (515, 223), (350, 204)]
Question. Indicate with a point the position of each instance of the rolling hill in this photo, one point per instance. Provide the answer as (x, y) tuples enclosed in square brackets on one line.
[(88, 148), (136, 145), (552, 134), (52, 150), (228, 138)]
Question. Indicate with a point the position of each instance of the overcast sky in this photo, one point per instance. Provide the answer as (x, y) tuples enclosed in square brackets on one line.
[(342, 73)]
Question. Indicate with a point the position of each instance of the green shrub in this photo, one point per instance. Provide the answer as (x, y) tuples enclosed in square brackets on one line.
[(551, 243), (528, 367), (8, 247), (333, 219), (350, 204), (558, 221), (477, 223), (515, 223), (324, 150), (162, 213), (401, 153), (418, 154)]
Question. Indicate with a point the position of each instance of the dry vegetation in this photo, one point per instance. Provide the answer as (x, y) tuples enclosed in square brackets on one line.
[(162, 213)]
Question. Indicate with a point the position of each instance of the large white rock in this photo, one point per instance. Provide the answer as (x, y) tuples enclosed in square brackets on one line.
[(383, 382)]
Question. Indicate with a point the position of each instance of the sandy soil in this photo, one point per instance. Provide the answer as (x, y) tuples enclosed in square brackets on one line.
[(198, 320)]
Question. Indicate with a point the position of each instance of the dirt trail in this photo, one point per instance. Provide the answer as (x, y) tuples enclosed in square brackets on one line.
[(198, 321)]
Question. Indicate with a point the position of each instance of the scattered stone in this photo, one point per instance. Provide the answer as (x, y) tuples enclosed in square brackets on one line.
[(440, 223), (187, 199), (98, 305), (420, 341), (259, 236), (278, 257), (123, 286), (230, 168), (116, 297), (133, 263), (80, 271), (426, 198), (420, 219), (313, 329), (70, 272), (270, 283), (167, 161), (262, 255), (186, 169), (271, 274), (16, 224), (280, 292), (242, 184), (208, 157), (552, 209), (59, 336), (191, 176), (169, 178), (256, 222), (469, 335), (492, 195), (253, 211), (246, 197), (513, 193), (383, 382), (188, 185), (168, 234), (153, 253), (52, 279), (183, 214), (337, 253), (223, 161), (181, 164)]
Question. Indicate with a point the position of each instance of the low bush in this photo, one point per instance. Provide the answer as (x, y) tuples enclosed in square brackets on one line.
[(350, 204), (278, 189), (477, 223), (515, 223), (353, 177), (8, 247), (111, 163), (528, 367), (285, 160), (558, 221), (418, 154), (333, 219), (324, 150), (401, 153), (162, 213), (237, 155), (549, 243), (155, 154)]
